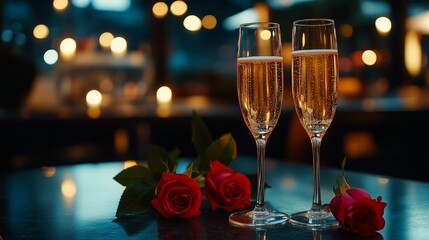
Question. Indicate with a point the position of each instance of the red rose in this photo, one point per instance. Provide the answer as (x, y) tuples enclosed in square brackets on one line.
[(225, 188), (357, 212), (177, 195)]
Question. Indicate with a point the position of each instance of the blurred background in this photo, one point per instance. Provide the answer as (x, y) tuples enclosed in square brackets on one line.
[(99, 80)]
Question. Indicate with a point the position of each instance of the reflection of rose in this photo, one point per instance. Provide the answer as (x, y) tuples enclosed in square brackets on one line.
[(225, 188), (177, 195), (357, 212)]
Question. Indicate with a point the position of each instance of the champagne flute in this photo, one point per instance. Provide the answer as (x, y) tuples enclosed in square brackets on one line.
[(260, 95), (315, 93)]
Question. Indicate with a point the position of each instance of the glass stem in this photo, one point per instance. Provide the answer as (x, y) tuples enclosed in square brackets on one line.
[(260, 208), (316, 141)]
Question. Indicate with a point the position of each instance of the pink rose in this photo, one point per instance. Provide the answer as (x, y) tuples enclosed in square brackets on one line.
[(177, 195), (357, 212), (225, 188)]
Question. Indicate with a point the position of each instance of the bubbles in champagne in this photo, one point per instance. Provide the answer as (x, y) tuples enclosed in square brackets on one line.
[(315, 93), (260, 90)]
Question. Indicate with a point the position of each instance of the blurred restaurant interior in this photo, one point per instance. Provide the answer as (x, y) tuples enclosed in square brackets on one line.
[(99, 80)]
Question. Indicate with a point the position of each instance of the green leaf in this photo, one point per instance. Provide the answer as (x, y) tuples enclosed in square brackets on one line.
[(224, 149), (132, 174), (188, 171), (201, 137), (159, 160), (156, 158), (343, 164), (136, 198), (173, 157), (342, 184), (200, 180)]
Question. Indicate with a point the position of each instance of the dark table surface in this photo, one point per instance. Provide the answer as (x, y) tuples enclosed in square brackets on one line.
[(80, 201)]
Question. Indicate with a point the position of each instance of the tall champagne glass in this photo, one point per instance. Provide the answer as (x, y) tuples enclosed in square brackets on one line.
[(260, 95), (315, 94)]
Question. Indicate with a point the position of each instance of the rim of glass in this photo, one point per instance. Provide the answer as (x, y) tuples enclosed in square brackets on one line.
[(314, 22), (259, 24)]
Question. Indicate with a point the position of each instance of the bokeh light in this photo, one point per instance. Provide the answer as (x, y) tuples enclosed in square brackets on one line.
[(178, 8), (7, 35), (60, 5), (265, 34), (68, 48), (164, 94), (118, 46), (68, 188), (383, 25), (40, 31), (160, 9), (369, 57), (105, 39), (192, 23), (50, 57), (94, 98), (346, 30), (413, 54), (209, 22)]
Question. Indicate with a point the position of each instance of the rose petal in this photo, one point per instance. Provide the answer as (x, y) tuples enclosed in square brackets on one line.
[(225, 188), (177, 195)]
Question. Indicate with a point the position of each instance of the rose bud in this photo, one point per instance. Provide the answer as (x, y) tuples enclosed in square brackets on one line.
[(177, 195), (225, 188), (357, 212)]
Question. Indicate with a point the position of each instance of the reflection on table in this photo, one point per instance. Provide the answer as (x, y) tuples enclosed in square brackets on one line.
[(79, 202)]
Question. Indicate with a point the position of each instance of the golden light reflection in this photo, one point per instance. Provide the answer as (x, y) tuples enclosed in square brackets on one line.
[(383, 25), (178, 8), (383, 180), (350, 86), (209, 22), (164, 95), (160, 9), (49, 171), (287, 54), (163, 110), (288, 182), (369, 57), (60, 5), (263, 11), (192, 23), (105, 39), (93, 112), (121, 141), (68, 48), (198, 100), (41, 31), (359, 144), (413, 54), (68, 188), (129, 163), (303, 40), (411, 96), (118, 46)]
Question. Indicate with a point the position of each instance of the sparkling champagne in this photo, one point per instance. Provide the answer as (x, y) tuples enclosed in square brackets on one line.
[(260, 90), (315, 83)]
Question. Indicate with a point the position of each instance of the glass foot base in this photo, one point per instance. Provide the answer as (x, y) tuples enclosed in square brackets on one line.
[(314, 219), (252, 219)]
